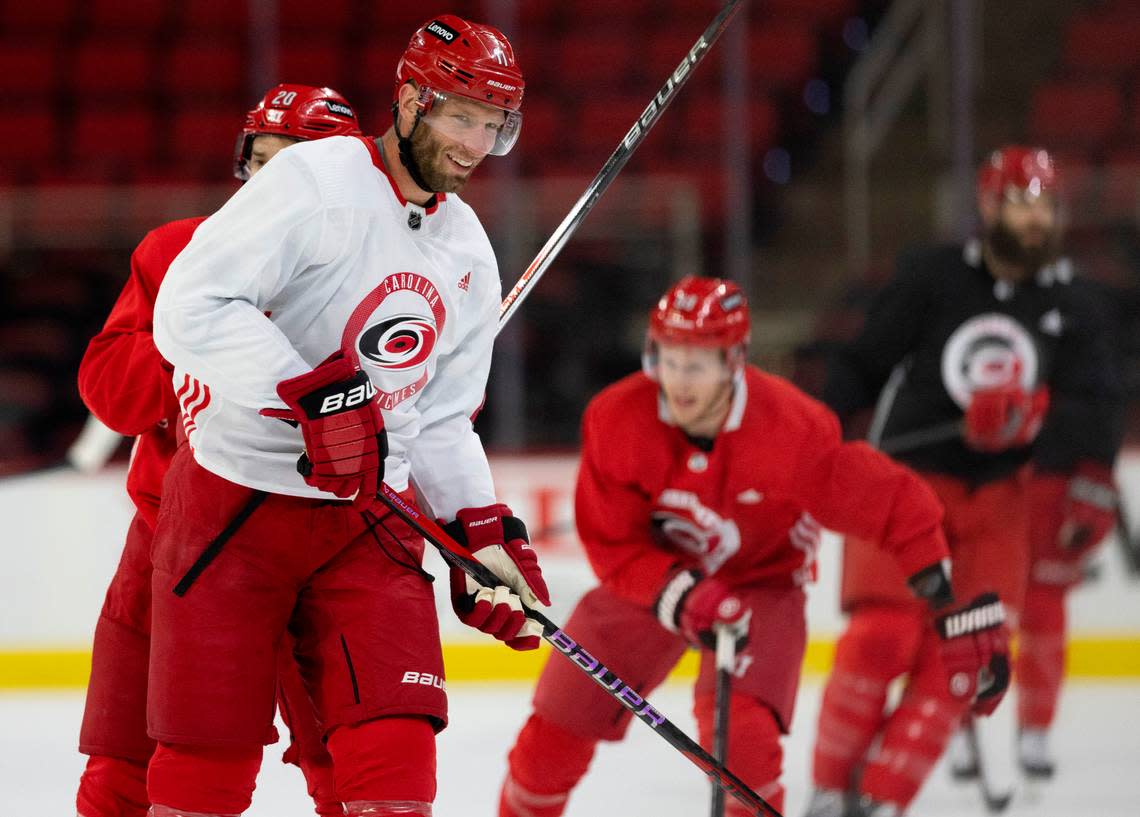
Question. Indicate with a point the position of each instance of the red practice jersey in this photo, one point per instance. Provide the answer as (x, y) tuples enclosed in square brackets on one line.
[(651, 500), (123, 379)]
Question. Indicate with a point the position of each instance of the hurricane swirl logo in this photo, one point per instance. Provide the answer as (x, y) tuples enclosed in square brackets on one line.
[(400, 342), (988, 350)]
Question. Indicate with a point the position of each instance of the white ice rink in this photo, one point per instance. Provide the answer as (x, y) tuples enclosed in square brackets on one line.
[(1097, 742)]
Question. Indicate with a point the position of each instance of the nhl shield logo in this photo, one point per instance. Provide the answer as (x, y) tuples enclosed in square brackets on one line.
[(415, 220)]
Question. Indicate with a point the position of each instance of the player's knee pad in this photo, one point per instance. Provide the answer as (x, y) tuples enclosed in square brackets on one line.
[(543, 767), (1043, 609), (913, 739), (201, 780), (384, 760), (754, 748), (112, 787)]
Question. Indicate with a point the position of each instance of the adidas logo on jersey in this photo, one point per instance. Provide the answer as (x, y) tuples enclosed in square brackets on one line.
[(465, 282)]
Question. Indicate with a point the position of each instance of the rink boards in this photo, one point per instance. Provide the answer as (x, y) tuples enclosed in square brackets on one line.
[(66, 531)]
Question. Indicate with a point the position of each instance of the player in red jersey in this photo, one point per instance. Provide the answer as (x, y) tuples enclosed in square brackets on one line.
[(970, 351), (125, 382), (703, 486)]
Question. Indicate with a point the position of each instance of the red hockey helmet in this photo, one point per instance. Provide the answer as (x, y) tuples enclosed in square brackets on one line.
[(696, 311), (297, 111), (450, 55), (1017, 170)]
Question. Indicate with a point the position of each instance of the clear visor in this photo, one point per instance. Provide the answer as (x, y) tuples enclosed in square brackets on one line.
[(480, 128)]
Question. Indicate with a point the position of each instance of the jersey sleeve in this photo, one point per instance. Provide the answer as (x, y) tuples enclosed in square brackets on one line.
[(122, 378), (612, 513), (858, 371), (1087, 407), (209, 316), (853, 489), (449, 465)]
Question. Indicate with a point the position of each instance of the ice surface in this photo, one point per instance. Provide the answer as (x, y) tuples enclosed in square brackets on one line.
[(1096, 741)]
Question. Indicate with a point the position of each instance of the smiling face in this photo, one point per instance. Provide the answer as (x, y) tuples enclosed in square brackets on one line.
[(697, 385), (452, 139)]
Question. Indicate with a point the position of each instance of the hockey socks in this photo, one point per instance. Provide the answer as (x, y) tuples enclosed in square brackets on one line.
[(754, 752), (188, 781), (112, 787), (543, 768), (383, 762)]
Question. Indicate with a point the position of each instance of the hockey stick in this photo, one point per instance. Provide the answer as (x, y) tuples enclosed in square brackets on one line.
[(457, 556), (910, 440), (616, 162), (996, 802), (725, 664), (1128, 540)]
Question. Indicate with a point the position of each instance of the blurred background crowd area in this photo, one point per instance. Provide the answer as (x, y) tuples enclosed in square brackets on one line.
[(817, 139)]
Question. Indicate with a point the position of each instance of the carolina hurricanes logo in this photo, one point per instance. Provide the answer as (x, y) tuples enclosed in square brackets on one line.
[(684, 522), (394, 332), (400, 342), (988, 350)]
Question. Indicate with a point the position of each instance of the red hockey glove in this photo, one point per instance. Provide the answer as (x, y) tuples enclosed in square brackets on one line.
[(345, 442), (975, 652), (498, 540), (1004, 417), (693, 606), (1089, 511)]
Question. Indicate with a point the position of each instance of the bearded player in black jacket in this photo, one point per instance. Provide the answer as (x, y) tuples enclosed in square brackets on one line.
[(968, 352)]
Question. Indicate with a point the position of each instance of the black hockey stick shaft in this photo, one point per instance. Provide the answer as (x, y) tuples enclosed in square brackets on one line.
[(1128, 539), (458, 556), (725, 663), (616, 162), (910, 440), (996, 802)]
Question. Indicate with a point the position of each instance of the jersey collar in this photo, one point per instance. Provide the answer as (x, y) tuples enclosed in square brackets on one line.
[(378, 161)]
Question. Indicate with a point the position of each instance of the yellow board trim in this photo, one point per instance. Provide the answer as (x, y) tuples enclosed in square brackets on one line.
[(1088, 657)]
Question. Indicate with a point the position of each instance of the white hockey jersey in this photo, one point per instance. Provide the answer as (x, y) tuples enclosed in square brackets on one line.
[(317, 253)]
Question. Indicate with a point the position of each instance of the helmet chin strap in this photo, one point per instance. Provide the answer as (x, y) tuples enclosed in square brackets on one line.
[(405, 143)]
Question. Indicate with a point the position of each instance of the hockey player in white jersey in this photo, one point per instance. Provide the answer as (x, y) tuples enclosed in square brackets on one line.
[(347, 290)]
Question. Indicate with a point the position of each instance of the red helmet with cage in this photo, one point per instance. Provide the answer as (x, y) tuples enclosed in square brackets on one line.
[(1017, 169), (297, 111), (696, 311), (450, 55)]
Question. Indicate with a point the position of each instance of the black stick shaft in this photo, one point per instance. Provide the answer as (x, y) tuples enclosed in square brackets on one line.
[(457, 556), (725, 663), (616, 162)]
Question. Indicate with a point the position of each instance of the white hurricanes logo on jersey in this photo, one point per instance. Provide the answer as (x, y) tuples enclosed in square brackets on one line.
[(684, 522), (400, 342), (394, 331), (988, 350)]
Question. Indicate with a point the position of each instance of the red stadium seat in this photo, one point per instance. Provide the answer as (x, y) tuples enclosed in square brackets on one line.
[(1122, 184), (137, 16), (603, 123), (38, 16), (106, 68), (1103, 45), (1076, 114), (212, 16), (205, 70), (205, 137), (30, 137), (120, 137), (703, 127), (301, 60), (27, 71), (782, 56), (404, 18), (326, 17), (587, 62), (815, 13)]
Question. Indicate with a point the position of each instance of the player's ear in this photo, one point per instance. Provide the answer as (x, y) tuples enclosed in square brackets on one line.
[(408, 102)]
